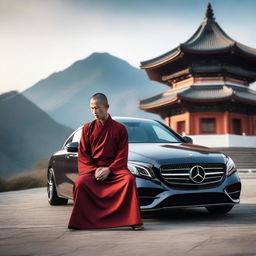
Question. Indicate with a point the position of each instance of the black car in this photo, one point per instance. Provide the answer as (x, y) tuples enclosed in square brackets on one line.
[(170, 171)]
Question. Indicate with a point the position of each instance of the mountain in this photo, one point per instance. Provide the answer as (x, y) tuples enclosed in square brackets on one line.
[(65, 95), (26, 134)]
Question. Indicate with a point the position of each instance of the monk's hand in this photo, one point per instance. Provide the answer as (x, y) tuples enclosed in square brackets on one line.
[(97, 172), (102, 173)]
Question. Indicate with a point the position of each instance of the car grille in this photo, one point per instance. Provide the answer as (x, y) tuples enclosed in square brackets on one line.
[(195, 199), (180, 173)]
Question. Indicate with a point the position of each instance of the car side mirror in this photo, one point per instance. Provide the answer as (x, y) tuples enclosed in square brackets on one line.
[(188, 139), (72, 147)]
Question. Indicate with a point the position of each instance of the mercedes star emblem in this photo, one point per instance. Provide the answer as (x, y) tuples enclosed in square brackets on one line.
[(197, 174)]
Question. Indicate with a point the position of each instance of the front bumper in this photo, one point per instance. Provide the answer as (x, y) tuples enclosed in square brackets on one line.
[(155, 195)]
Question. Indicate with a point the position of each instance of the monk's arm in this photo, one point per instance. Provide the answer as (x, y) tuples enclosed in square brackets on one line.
[(85, 162), (121, 158)]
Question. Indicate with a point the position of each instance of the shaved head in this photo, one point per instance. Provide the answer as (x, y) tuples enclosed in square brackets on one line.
[(100, 97), (99, 106)]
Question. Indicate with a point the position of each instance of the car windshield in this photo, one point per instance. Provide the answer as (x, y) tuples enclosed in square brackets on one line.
[(149, 132)]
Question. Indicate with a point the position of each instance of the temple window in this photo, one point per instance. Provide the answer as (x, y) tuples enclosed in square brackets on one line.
[(236, 126), (208, 125), (181, 127)]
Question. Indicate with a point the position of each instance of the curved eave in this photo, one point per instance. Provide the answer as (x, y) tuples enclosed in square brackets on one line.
[(236, 98), (232, 97), (159, 61), (245, 51), (179, 54), (158, 105), (206, 100)]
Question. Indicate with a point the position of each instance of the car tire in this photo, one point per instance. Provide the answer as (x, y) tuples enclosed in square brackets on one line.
[(52, 195), (219, 209)]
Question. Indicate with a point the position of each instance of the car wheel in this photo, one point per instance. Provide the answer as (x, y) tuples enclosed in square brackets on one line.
[(220, 209), (52, 195)]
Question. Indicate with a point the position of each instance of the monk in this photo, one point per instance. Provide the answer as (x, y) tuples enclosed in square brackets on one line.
[(105, 193)]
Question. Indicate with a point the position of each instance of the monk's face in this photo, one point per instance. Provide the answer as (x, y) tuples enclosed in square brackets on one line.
[(98, 109)]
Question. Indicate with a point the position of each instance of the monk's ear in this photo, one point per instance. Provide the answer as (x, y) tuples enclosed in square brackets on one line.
[(107, 105)]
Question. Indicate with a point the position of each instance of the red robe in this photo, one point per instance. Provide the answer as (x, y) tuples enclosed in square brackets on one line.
[(112, 202)]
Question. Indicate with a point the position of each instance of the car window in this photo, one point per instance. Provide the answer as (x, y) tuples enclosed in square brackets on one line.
[(77, 136), (136, 133), (162, 134), (68, 141), (149, 132)]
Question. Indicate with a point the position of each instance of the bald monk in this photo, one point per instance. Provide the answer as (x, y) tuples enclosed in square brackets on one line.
[(105, 193)]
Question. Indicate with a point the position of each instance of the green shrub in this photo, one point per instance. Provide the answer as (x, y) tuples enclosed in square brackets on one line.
[(27, 180), (33, 179), (41, 164)]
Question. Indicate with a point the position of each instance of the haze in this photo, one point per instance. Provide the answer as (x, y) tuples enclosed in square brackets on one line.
[(39, 37)]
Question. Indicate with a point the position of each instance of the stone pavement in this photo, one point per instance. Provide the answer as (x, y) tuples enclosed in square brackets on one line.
[(30, 226)]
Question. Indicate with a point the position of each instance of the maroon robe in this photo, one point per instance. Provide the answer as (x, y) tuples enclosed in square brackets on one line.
[(112, 202)]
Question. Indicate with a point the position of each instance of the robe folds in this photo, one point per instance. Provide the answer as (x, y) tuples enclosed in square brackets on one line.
[(112, 202)]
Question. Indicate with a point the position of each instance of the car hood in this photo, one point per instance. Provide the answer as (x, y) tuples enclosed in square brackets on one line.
[(172, 153)]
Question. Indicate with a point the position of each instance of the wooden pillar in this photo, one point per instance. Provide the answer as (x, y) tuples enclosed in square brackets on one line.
[(226, 121)]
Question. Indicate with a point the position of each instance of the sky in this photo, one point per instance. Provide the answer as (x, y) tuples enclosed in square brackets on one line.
[(40, 37)]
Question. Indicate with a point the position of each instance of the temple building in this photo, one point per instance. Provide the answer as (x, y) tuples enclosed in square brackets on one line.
[(208, 78)]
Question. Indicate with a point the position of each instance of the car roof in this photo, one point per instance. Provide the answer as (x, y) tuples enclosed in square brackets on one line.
[(125, 118), (129, 118)]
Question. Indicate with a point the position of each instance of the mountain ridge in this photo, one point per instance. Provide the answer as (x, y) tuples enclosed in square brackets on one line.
[(68, 91), (27, 134)]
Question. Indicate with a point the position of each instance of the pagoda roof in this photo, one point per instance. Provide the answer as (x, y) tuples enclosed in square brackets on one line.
[(213, 69), (208, 38), (200, 93)]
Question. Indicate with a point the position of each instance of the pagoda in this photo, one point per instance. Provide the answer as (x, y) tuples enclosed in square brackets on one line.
[(208, 78)]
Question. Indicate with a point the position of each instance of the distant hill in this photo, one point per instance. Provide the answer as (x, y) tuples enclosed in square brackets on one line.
[(65, 95), (26, 134)]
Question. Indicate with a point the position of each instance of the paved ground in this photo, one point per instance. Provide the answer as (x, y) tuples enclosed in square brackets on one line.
[(30, 226)]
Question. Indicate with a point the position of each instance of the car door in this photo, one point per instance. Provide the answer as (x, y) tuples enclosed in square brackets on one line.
[(69, 166)]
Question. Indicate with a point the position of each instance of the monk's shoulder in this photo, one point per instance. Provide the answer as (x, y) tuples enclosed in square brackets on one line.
[(86, 126), (119, 126)]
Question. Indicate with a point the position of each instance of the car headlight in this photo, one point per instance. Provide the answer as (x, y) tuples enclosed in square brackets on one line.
[(141, 169), (230, 166)]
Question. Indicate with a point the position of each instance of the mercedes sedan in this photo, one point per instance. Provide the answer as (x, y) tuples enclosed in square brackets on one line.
[(170, 171)]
